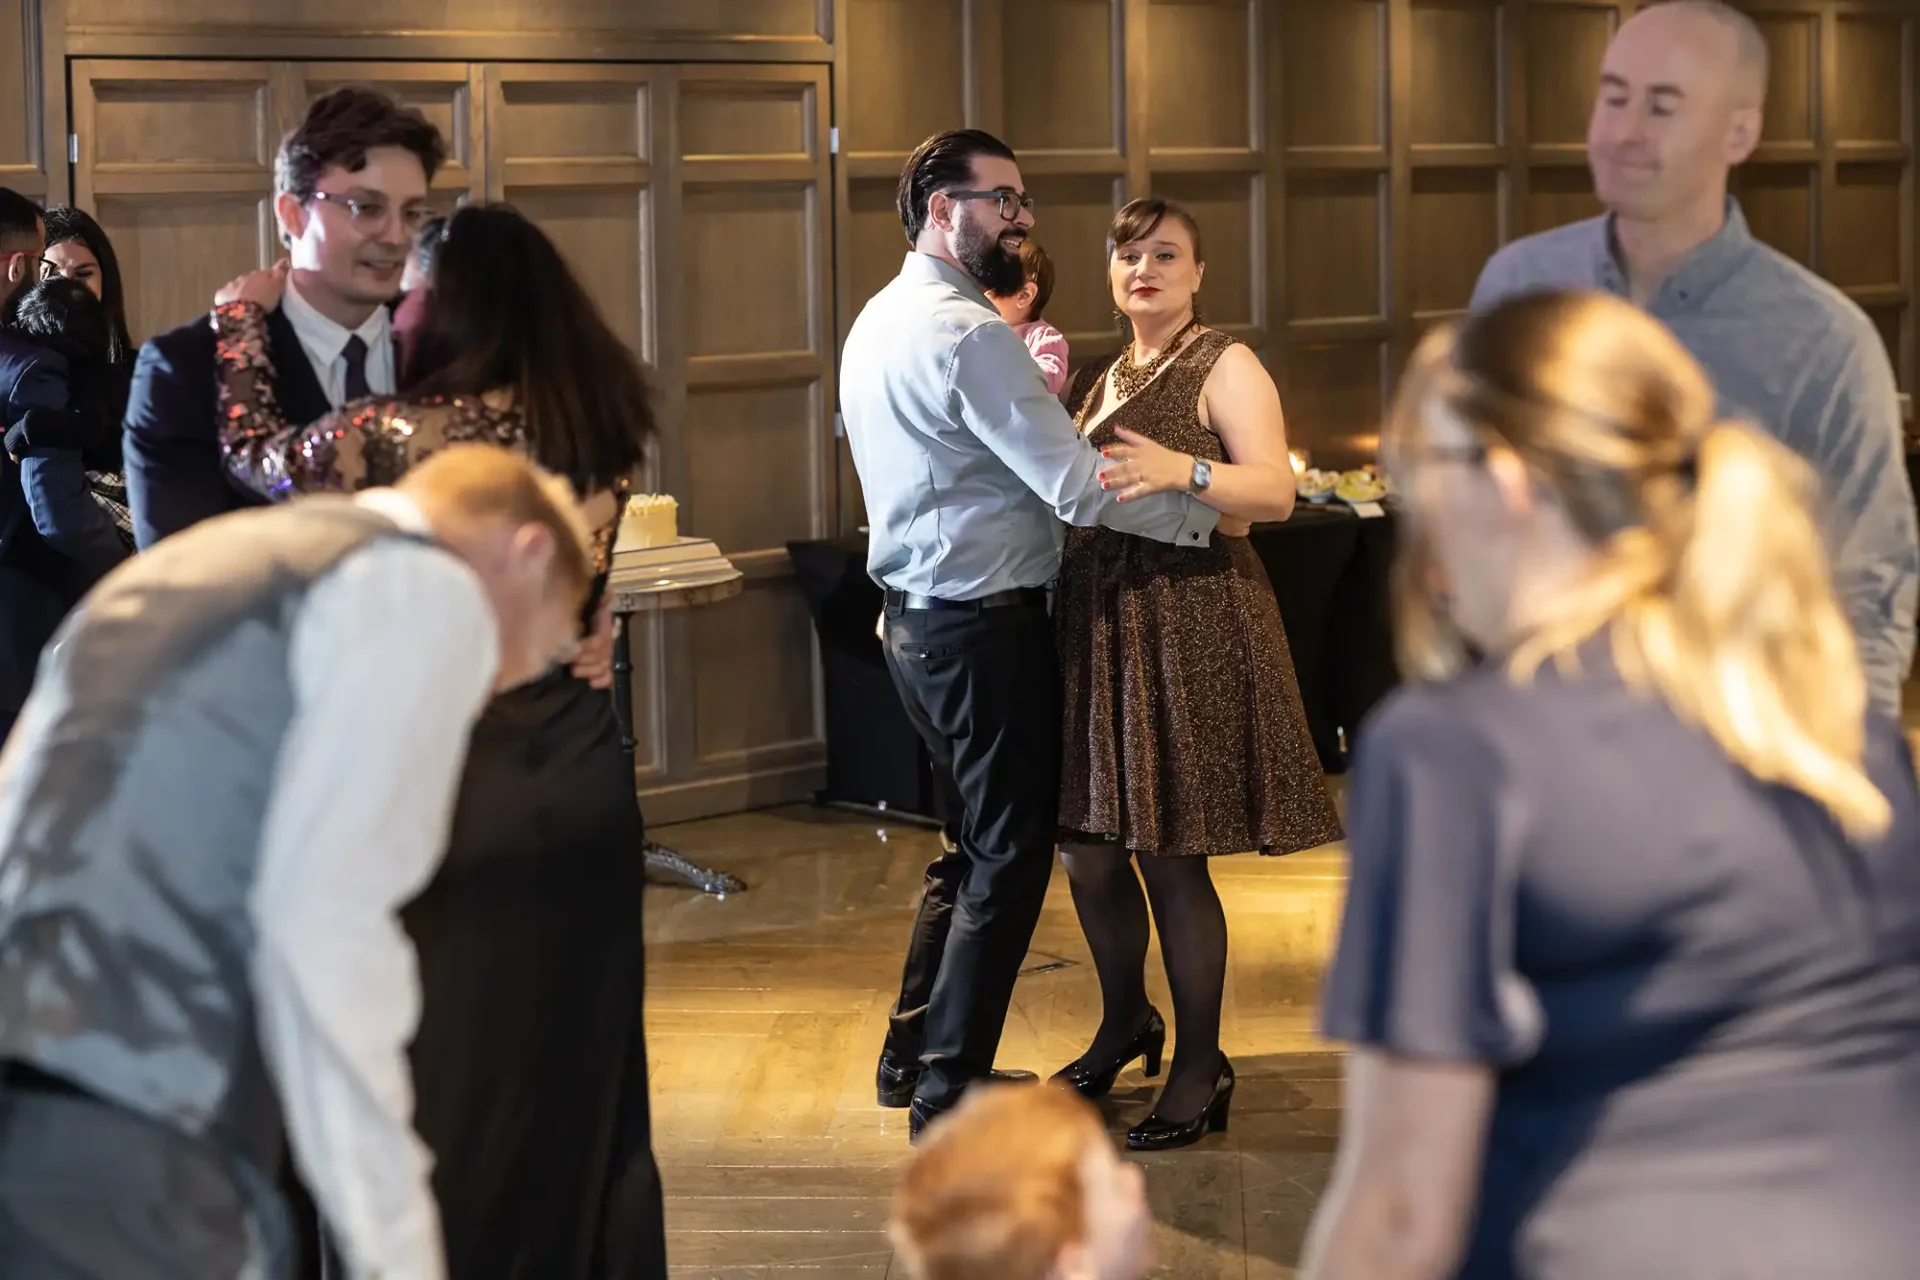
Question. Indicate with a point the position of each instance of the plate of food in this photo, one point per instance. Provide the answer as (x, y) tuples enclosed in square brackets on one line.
[(1316, 485), (1355, 487)]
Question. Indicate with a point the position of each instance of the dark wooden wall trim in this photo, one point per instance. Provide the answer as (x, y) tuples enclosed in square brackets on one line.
[(187, 41), (681, 31)]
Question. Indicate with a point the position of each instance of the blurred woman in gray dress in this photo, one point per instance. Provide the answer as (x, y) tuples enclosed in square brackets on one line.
[(1631, 954)]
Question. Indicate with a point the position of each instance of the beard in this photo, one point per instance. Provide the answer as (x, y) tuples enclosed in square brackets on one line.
[(997, 269)]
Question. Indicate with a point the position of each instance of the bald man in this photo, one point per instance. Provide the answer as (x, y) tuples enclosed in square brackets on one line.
[(1679, 106)]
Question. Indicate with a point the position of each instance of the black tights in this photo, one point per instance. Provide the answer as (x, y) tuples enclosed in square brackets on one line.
[(1193, 946)]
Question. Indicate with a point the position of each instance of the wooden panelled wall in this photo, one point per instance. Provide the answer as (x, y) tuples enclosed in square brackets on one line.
[(688, 181), (1353, 162)]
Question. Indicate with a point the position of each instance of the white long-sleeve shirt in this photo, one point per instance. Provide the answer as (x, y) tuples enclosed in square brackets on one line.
[(393, 656)]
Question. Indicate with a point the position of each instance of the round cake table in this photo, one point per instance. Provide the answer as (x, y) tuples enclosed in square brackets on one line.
[(646, 592)]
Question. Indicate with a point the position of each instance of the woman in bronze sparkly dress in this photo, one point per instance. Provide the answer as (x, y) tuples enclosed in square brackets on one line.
[(529, 1064), (1184, 734)]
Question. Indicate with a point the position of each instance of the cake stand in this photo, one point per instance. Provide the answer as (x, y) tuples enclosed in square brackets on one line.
[(678, 585)]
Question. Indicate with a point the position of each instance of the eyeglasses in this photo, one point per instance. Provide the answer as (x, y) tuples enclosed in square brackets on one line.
[(1011, 202), (370, 213), (51, 270), (39, 265)]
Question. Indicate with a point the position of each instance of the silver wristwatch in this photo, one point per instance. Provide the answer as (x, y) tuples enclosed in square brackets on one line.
[(1202, 475)]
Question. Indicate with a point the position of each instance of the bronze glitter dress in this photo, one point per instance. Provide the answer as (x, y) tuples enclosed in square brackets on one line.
[(1183, 729)]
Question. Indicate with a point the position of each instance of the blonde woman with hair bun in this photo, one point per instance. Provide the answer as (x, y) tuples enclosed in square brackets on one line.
[(1630, 961)]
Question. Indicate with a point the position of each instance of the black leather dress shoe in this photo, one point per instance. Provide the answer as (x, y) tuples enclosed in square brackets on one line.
[(895, 1081), (919, 1116)]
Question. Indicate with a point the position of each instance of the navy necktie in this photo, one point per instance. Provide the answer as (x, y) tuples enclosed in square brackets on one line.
[(355, 353)]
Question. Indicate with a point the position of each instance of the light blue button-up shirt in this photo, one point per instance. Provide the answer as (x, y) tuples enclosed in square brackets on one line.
[(967, 464), (1797, 357)]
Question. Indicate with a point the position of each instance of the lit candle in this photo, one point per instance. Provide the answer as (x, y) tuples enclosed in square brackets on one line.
[(1299, 461)]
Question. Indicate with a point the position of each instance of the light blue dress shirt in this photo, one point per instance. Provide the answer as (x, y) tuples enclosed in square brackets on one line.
[(967, 464)]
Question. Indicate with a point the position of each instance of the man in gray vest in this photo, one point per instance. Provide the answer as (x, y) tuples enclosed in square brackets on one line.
[(237, 763)]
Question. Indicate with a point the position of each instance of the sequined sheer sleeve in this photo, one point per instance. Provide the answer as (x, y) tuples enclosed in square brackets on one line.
[(259, 449)]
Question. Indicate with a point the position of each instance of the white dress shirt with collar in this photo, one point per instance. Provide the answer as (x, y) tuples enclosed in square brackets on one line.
[(325, 339), (393, 657)]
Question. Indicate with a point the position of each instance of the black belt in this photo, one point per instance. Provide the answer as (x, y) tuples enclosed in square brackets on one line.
[(998, 600), (24, 1077)]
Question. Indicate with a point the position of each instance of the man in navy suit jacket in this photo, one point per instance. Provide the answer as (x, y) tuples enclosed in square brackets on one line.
[(350, 189)]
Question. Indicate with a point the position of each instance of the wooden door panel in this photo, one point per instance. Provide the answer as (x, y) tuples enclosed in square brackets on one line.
[(1793, 41), (573, 148), (694, 203), (1455, 79), (1456, 227), (1334, 74), (175, 159), (23, 98), (755, 278), (1562, 52)]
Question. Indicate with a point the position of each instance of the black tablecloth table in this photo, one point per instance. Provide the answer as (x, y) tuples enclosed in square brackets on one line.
[(874, 758), (1329, 569), (1329, 573)]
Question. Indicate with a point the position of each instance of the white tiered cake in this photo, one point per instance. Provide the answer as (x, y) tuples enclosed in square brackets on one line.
[(650, 520), (649, 547)]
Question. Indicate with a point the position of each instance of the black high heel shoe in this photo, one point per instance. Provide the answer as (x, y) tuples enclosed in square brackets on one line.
[(1155, 1134), (1094, 1082)]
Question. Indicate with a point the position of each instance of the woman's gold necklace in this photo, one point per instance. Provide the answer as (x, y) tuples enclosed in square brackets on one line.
[(1129, 378)]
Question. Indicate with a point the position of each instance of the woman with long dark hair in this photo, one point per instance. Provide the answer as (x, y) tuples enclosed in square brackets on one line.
[(530, 1063), (77, 494), (78, 249), (70, 458)]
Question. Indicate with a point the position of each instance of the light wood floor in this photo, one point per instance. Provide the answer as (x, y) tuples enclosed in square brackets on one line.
[(766, 1011)]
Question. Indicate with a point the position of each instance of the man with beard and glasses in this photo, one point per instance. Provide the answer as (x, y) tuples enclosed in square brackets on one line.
[(350, 192), (969, 467)]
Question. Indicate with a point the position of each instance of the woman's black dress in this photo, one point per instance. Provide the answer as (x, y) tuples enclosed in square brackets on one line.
[(530, 1063)]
